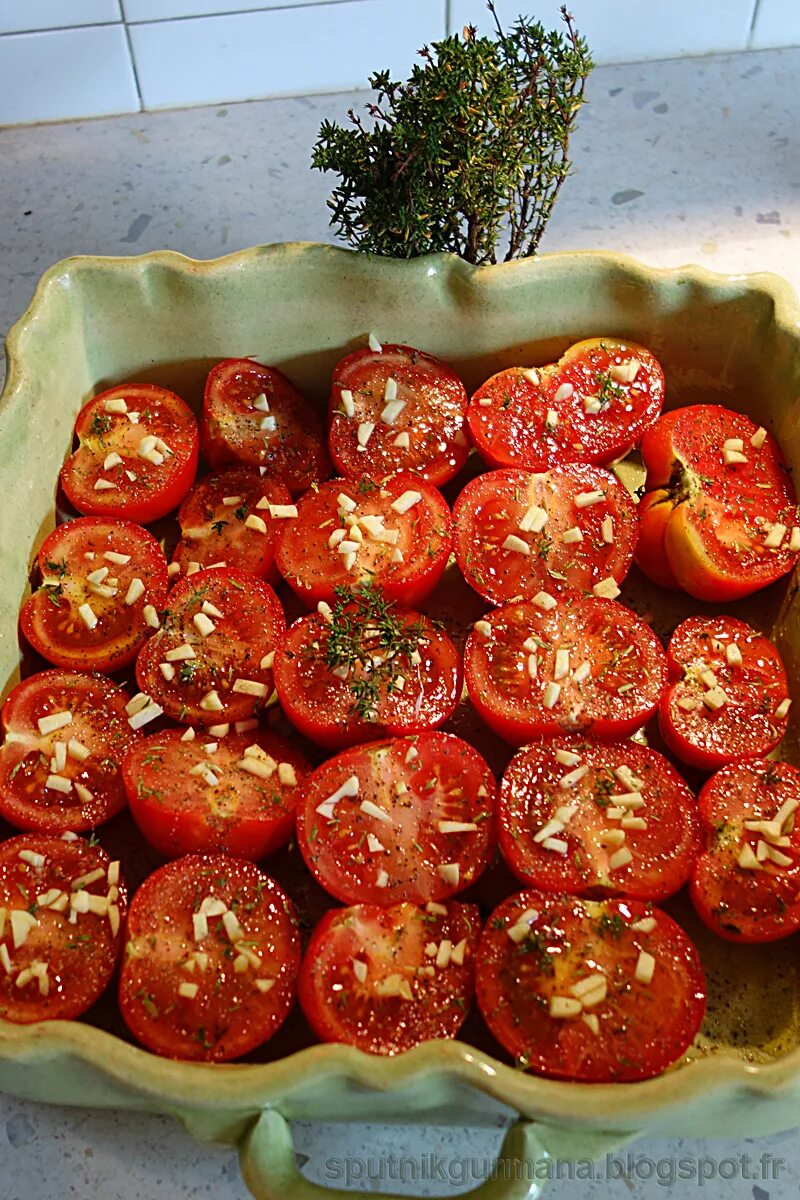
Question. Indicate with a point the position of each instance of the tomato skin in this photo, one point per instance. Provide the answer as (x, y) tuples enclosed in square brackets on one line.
[(50, 618), (179, 813), (251, 624), (81, 957), (507, 415), (413, 849), (228, 1016), (718, 514), (531, 793), (746, 726), (157, 489), (390, 941), (490, 508), (230, 429), (642, 1028), (314, 569), (433, 415), (212, 531), (737, 903), (99, 722), (512, 703), (323, 707), (655, 511)]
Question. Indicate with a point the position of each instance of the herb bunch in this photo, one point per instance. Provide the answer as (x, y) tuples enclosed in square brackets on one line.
[(469, 154)]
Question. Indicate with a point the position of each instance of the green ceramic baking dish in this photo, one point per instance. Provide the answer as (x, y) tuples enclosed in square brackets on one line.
[(731, 339)]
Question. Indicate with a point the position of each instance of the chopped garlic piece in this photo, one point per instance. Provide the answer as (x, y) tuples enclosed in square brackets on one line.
[(606, 589), (54, 721), (551, 694), (587, 499), (645, 967), (258, 524), (516, 544), (564, 1006), (406, 501), (544, 601), (250, 687)]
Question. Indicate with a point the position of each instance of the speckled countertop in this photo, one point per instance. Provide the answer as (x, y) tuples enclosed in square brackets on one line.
[(683, 161)]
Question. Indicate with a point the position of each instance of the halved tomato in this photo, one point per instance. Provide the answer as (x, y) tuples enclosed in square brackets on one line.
[(516, 533), (220, 792), (366, 669), (62, 904), (592, 406), (397, 409), (574, 664), (65, 737), (137, 457), (103, 583), (408, 819), (655, 510), (729, 698), (597, 991), (232, 519), (386, 979), (746, 885), (597, 818), (211, 959), (211, 661), (254, 415), (723, 510), (395, 535)]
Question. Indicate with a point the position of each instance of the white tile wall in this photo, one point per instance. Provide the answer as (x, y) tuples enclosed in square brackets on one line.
[(65, 73), (323, 48), (17, 16), (209, 51), (629, 30), (777, 23)]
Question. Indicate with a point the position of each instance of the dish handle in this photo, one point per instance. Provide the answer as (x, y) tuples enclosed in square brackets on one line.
[(269, 1167)]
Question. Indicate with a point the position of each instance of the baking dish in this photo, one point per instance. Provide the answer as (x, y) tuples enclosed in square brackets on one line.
[(166, 318)]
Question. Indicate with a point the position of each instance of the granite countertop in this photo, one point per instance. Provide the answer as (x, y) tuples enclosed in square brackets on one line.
[(690, 160)]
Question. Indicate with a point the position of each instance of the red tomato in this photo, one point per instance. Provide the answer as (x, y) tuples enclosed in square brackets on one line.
[(592, 817), (746, 886), (211, 961), (729, 698), (61, 908), (386, 979), (578, 665), (253, 415), (214, 523), (408, 819), (92, 610), (397, 409), (729, 520), (591, 406), (232, 793), (516, 533), (212, 660), (655, 511), (65, 737), (366, 670), (137, 456), (349, 533), (538, 949)]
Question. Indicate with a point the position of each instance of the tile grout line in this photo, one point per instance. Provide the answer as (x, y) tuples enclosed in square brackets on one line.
[(753, 19), (134, 68)]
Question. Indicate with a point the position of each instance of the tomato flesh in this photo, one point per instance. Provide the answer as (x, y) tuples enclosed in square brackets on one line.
[(729, 524), (746, 884), (245, 951), (348, 533), (85, 752), (415, 820), (93, 611), (729, 696), (217, 674), (386, 979), (584, 408), (355, 677), (56, 967), (213, 520), (424, 430), (516, 533), (536, 948), (254, 415), (579, 665), (136, 461), (232, 793), (597, 818)]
